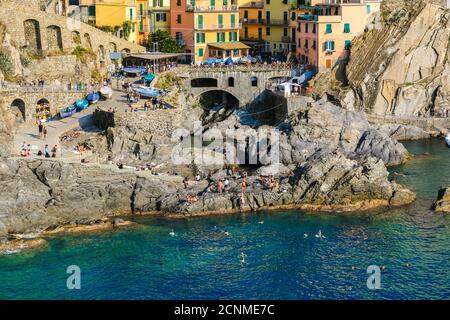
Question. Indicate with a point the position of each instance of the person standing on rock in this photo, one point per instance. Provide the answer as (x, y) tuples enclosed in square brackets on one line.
[(44, 132), (220, 186), (244, 185)]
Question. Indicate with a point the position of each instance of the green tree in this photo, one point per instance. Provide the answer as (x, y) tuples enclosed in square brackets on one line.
[(165, 42), (126, 29)]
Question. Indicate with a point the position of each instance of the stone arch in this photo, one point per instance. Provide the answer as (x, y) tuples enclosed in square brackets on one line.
[(203, 82), (43, 108), (125, 50), (54, 38), (18, 108), (254, 81), (228, 98), (32, 33), (87, 41), (112, 47), (231, 82), (76, 38)]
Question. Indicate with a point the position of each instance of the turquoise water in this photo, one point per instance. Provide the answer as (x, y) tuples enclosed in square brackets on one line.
[(200, 262)]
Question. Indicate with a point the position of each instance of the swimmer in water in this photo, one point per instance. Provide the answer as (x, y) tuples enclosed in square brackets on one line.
[(305, 235), (320, 235), (407, 264), (382, 268), (261, 222), (353, 268), (172, 233), (243, 255), (226, 233)]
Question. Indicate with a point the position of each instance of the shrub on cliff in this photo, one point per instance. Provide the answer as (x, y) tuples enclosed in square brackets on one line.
[(83, 54)]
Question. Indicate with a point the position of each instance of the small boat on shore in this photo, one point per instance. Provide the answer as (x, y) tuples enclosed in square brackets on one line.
[(81, 104), (447, 139), (93, 97), (106, 92), (147, 92), (67, 112)]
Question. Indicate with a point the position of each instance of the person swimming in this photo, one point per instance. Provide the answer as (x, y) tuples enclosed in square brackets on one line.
[(261, 222), (320, 235), (305, 235), (172, 233), (353, 268), (226, 233), (243, 255)]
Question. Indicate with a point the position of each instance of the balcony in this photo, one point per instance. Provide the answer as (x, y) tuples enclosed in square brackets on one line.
[(230, 8), (278, 22), (306, 17), (253, 21), (218, 26), (286, 39)]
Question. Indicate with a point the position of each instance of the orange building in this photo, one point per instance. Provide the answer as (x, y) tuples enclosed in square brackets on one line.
[(207, 28), (253, 29)]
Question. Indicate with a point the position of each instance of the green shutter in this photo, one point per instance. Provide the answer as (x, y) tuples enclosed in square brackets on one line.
[(212, 3), (233, 20), (131, 14), (218, 37), (200, 22), (225, 2), (154, 3), (329, 28), (200, 52), (332, 45), (141, 26), (220, 17), (347, 28)]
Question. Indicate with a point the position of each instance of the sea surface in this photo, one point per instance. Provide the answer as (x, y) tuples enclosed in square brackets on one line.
[(201, 262)]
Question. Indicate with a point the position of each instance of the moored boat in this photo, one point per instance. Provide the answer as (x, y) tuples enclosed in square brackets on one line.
[(447, 139), (106, 92), (81, 104), (67, 112), (93, 97), (147, 92)]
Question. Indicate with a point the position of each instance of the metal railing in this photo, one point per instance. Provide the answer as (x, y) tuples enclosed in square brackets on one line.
[(253, 21), (191, 8), (218, 26)]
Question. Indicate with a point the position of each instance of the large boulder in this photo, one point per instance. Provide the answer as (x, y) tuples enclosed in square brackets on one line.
[(443, 202)]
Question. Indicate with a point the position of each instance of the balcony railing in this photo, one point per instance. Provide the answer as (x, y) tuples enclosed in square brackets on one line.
[(253, 4), (253, 21), (278, 22), (218, 26), (191, 8), (286, 39)]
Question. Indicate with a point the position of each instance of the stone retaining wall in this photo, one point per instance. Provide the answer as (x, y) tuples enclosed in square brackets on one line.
[(426, 124)]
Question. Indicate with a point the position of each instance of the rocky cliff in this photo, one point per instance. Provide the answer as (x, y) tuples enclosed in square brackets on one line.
[(400, 65)]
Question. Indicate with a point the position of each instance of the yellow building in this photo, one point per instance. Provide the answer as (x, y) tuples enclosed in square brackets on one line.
[(207, 28), (253, 30), (278, 37), (153, 15), (119, 13), (326, 27)]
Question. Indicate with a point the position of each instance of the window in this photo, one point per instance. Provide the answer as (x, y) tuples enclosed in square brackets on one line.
[(254, 81), (220, 36), (228, 53), (245, 14), (347, 44), (328, 46), (268, 31), (131, 14), (329, 28), (141, 10), (314, 45), (306, 27), (246, 32), (200, 22), (306, 44), (200, 52), (212, 3), (346, 27), (91, 11), (154, 3), (133, 27), (259, 33), (314, 28), (225, 2), (299, 42), (235, 53), (141, 26), (200, 37), (285, 32), (268, 17), (285, 1), (178, 2), (285, 17), (220, 21), (232, 36), (233, 20), (369, 8), (179, 18), (267, 1)]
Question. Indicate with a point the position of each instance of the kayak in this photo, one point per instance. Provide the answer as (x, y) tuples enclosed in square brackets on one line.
[(147, 92), (106, 92), (81, 104), (93, 97), (67, 112)]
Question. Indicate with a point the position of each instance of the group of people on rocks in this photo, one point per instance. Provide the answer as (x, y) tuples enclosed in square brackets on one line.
[(46, 152)]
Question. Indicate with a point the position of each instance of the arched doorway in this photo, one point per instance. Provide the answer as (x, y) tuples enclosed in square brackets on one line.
[(32, 35), (76, 38), (43, 109), (18, 109), (54, 39), (254, 81), (217, 105), (231, 82), (203, 83), (87, 41)]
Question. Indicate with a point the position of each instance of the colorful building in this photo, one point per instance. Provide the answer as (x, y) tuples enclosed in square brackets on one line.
[(278, 36), (207, 28), (326, 27), (153, 15), (253, 30)]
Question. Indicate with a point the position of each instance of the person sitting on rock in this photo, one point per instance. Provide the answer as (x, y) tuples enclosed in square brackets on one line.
[(220, 186)]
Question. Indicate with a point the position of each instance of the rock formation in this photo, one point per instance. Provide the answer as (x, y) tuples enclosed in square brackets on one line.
[(443, 202), (401, 64)]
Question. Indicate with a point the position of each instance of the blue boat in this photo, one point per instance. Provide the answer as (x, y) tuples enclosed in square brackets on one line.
[(93, 97), (149, 77), (81, 104), (67, 112), (134, 71)]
